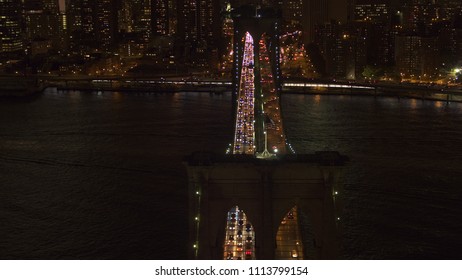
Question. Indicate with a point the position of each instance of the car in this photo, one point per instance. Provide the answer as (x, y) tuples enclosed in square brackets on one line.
[(294, 254)]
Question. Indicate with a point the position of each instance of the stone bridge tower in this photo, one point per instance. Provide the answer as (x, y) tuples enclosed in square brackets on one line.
[(266, 190)]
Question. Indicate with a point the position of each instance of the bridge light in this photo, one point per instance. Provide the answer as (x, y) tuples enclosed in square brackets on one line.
[(338, 218)]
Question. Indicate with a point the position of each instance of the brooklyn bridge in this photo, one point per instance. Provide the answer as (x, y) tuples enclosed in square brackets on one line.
[(261, 200)]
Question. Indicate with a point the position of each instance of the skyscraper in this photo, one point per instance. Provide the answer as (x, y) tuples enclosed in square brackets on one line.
[(315, 12), (198, 29), (372, 20), (92, 24), (105, 23), (292, 11), (160, 17), (10, 26), (42, 21), (372, 10)]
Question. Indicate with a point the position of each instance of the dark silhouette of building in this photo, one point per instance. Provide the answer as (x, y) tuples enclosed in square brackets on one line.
[(92, 25), (199, 29), (315, 12)]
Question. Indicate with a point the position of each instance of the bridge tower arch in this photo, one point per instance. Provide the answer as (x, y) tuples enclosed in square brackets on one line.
[(265, 190)]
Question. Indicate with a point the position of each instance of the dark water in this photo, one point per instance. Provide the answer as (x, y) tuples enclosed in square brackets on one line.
[(99, 176)]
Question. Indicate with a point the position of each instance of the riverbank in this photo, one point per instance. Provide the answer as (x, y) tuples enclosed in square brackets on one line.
[(27, 87), (12, 87), (447, 95)]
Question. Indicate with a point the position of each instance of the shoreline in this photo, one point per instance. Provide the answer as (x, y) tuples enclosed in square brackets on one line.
[(422, 94)]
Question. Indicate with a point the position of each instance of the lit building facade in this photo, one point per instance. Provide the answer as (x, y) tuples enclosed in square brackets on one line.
[(42, 22), (372, 10), (160, 17), (92, 25), (292, 11), (417, 58), (10, 26)]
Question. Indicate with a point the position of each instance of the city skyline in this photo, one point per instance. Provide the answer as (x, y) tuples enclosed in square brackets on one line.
[(207, 129), (363, 40)]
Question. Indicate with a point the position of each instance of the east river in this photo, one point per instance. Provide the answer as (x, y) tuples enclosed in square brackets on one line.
[(100, 176)]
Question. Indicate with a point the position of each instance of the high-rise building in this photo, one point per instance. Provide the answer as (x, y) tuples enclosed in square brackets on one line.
[(187, 20), (292, 11), (160, 17), (198, 29), (372, 10), (42, 22), (450, 8), (418, 15), (315, 12), (63, 30), (417, 57), (342, 50), (81, 24), (105, 22), (10, 26), (373, 21), (92, 24), (135, 26), (172, 16), (125, 13)]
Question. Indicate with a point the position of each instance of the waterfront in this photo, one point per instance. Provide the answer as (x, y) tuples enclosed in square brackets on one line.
[(99, 175)]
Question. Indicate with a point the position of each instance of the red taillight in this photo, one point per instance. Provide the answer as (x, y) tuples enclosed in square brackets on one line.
[(248, 252)]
